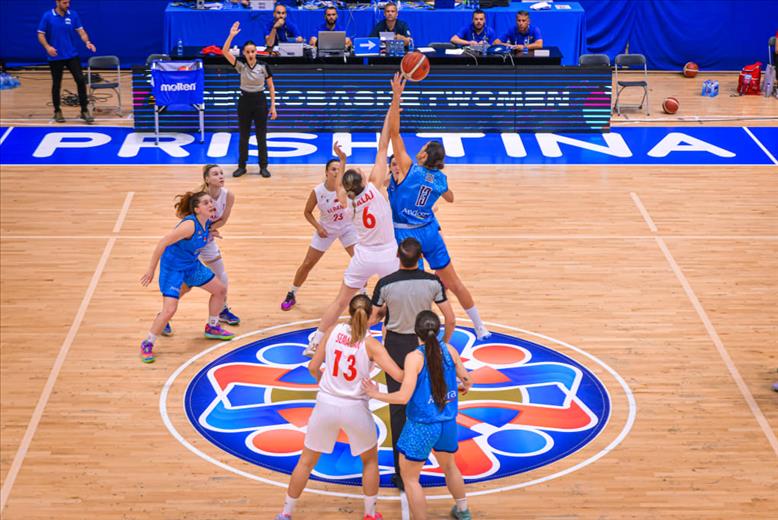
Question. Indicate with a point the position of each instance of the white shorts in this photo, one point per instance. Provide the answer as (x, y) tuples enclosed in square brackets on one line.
[(367, 262), (347, 236), (210, 252), (328, 418)]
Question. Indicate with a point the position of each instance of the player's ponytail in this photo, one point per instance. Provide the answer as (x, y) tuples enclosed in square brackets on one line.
[(206, 174), (359, 309), (352, 183), (427, 328), (186, 203), (436, 156)]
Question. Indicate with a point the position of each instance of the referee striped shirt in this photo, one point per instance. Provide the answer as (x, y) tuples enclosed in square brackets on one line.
[(406, 293)]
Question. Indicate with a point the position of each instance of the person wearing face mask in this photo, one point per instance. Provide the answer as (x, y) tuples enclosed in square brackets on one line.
[(252, 104)]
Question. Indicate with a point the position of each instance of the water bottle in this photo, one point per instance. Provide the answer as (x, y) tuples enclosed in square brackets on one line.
[(411, 47), (180, 47), (714, 90), (526, 42)]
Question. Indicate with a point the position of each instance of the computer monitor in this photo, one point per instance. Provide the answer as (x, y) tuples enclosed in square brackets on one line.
[(331, 42), (290, 49), (386, 35)]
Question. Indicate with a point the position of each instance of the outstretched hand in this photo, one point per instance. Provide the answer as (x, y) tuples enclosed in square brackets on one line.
[(338, 151), (398, 84), (235, 29), (370, 387)]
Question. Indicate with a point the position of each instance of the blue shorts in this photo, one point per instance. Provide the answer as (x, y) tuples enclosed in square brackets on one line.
[(432, 245), (417, 439), (170, 280)]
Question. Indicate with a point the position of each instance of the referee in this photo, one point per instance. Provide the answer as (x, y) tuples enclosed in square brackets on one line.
[(398, 299), (252, 105)]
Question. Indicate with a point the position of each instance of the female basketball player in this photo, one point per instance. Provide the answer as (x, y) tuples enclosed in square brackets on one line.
[(348, 355), (223, 200), (413, 191), (367, 206), (429, 387), (177, 254), (331, 225)]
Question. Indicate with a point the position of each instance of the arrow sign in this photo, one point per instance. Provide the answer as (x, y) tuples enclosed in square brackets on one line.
[(364, 46)]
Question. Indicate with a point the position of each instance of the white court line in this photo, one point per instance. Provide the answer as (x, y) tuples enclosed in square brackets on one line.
[(760, 145), (123, 213), (643, 212), (5, 134), (21, 453), (733, 371), (530, 238)]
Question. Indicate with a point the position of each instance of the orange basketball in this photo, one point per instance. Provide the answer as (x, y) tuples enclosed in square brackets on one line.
[(415, 66), (670, 105), (690, 69)]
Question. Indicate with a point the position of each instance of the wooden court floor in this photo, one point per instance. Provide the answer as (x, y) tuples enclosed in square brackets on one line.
[(668, 275)]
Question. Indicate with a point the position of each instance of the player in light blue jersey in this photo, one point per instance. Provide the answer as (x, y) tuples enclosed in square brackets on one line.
[(413, 191), (177, 253), (429, 388)]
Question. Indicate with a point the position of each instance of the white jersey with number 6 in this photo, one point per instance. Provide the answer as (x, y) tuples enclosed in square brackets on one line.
[(345, 365), (372, 217)]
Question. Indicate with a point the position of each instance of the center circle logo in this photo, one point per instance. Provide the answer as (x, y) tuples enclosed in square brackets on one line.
[(529, 407)]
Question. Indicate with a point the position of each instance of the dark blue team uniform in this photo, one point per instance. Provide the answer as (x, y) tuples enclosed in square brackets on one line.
[(412, 201), (428, 427), (180, 264)]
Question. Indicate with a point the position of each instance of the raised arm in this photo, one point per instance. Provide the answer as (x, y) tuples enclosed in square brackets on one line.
[(234, 30), (339, 190), (404, 161), (380, 167)]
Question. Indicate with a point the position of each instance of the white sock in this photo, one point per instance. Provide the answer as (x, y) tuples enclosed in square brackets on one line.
[(461, 504), (293, 289), (370, 505), (152, 338), (289, 503), (472, 313), (316, 338), (213, 321)]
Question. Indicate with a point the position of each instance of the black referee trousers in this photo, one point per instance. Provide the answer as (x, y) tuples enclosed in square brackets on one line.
[(398, 346), (252, 108)]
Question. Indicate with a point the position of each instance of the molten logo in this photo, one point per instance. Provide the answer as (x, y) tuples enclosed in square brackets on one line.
[(529, 407), (177, 87)]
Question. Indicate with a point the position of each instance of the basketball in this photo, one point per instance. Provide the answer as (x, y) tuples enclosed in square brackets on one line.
[(415, 66), (690, 69), (670, 105)]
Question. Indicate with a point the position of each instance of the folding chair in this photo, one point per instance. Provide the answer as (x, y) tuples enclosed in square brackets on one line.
[(154, 57), (625, 61), (104, 62), (594, 60)]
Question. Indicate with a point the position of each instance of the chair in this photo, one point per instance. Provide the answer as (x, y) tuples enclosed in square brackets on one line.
[(154, 57), (442, 45), (594, 60), (625, 61), (104, 62)]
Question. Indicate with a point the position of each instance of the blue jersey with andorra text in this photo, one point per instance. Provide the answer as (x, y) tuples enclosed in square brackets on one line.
[(413, 198), (183, 254), (421, 407)]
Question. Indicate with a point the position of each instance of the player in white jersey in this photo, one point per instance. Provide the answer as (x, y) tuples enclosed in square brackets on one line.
[(332, 225), (364, 197), (347, 358), (210, 255), (223, 200)]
